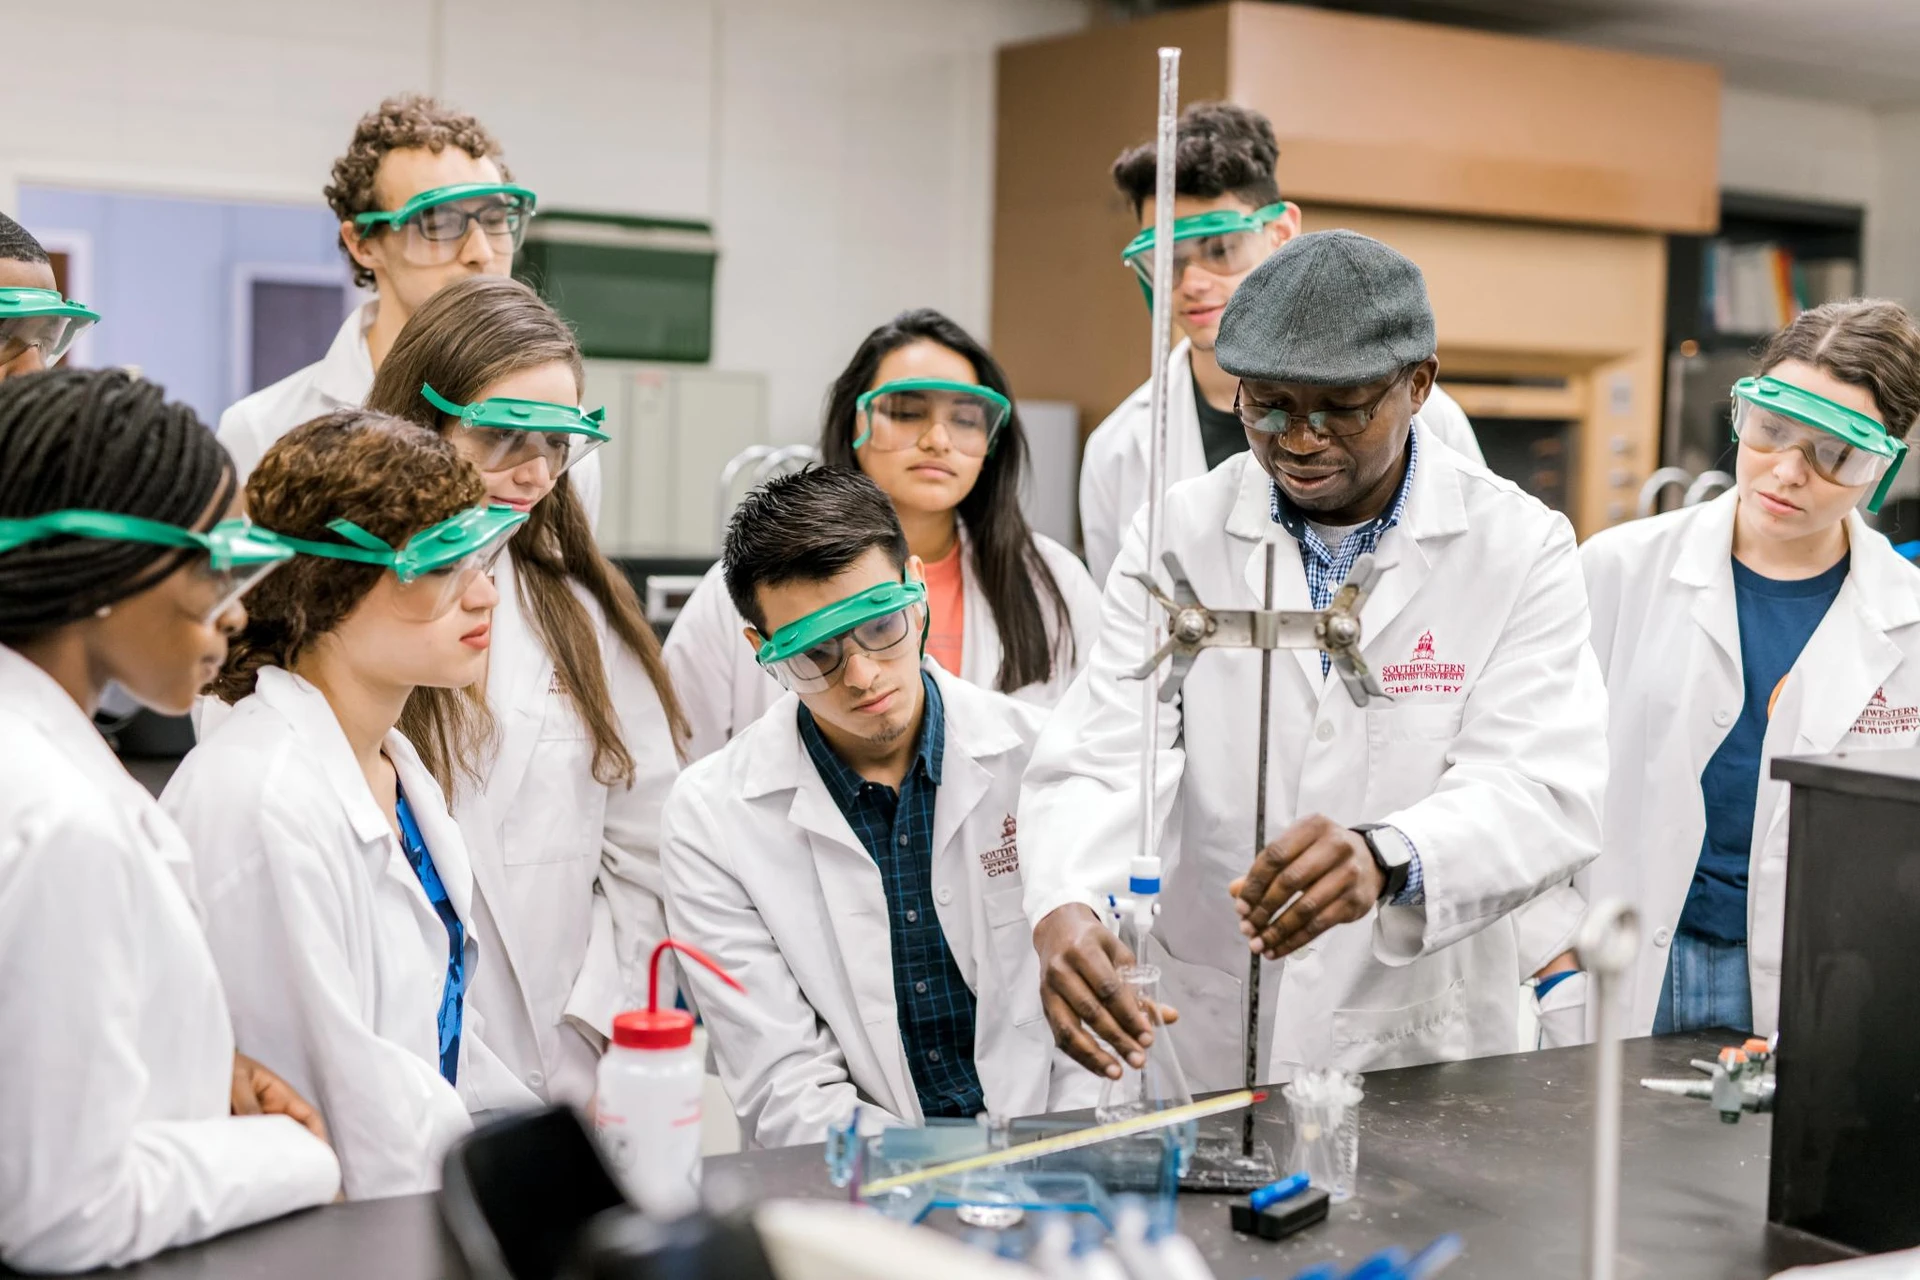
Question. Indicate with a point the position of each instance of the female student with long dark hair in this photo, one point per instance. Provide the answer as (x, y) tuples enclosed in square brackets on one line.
[(926, 412), (128, 1124), (563, 812)]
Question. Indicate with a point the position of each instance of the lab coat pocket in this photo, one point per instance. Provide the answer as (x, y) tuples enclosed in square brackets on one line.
[(1407, 750), (1016, 967), (1432, 1030), (553, 817)]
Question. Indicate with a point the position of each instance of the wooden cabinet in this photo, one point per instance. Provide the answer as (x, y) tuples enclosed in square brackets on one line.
[(1533, 182)]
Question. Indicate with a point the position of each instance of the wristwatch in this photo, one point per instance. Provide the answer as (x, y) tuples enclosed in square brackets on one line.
[(1391, 853)]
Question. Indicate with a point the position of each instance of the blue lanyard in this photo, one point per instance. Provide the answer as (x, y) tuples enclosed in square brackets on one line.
[(453, 995)]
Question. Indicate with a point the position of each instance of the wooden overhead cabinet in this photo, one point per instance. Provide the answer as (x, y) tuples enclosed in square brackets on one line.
[(1534, 183)]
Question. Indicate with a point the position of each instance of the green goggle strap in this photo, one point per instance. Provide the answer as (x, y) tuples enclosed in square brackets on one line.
[(1816, 411), (20, 304), (506, 414), (988, 394), (839, 618), (441, 544), (231, 544), (1214, 222), (440, 195)]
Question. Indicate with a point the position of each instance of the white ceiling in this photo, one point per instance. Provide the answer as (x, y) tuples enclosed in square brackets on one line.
[(1864, 51)]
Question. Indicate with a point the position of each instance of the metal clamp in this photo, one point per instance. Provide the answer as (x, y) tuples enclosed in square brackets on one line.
[(1192, 626)]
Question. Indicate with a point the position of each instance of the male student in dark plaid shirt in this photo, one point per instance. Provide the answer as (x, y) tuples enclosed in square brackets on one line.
[(852, 857)]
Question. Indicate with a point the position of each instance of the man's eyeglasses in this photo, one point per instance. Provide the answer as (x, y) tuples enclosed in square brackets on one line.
[(1325, 423)]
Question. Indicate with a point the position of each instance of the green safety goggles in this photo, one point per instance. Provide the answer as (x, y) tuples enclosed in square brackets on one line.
[(1842, 445), (434, 224), (40, 319), (501, 433), (806, 654), (1221, 242), (238, 553), (436, 566), (898, 415)]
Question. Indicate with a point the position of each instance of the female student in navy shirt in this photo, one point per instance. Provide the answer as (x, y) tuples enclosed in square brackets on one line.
[(1772, 621)]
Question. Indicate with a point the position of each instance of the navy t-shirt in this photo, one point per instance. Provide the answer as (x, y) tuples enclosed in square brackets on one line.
[(1777, 619)]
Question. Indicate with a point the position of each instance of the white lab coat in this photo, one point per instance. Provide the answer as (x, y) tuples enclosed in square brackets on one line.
[(341, 379), (723, 689), (567, 868), (1113, 466), (1491, 761), (333, 959), (116, 1050), (764, 874), (1667, 634)]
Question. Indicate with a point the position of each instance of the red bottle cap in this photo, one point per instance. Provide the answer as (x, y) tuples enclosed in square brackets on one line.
[(653, 1029), (657, 1028)]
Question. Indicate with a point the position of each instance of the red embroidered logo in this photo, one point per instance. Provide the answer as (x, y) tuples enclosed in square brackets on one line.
[(1005, 860), (1881, 720), (1424, 672)]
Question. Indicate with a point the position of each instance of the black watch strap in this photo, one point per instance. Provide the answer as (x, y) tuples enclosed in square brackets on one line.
[(1394, 874)]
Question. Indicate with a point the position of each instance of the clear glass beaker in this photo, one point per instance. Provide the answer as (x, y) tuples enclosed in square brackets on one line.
[(1325, 1114)]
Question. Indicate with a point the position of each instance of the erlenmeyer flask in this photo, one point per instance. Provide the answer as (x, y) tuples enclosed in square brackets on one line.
[(1159, 1084)]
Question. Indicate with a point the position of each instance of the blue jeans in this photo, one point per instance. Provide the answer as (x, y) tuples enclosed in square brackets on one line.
[(1707, 986)]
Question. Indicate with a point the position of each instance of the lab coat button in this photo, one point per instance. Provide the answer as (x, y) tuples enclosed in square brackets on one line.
[(1723, 717), (536, 1078), (944, 896), (1324, 732), (1661, 937)]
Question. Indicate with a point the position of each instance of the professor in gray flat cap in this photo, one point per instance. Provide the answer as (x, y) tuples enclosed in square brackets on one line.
[(1422, 847)]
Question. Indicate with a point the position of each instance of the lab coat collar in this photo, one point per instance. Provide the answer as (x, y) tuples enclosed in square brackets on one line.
[(518, 678), (346, 371), (777, 760), (29, 692), (1436, 508), (307, 710), (1850, 656)]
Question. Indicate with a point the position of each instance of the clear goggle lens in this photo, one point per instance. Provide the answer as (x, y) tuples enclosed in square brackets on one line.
[(434, 235), (813, 670), (1229, 253), (494, 449), (221, 589), (1831, 458), (50, 335), (433, 594), (896, 420)]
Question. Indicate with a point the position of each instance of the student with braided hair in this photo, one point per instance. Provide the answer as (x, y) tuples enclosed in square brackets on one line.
[(127, 1122)]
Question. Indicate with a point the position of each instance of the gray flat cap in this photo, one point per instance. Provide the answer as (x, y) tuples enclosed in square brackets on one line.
[(1333, 309)]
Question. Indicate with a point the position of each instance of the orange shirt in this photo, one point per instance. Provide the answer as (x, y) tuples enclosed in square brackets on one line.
[(947, 605)]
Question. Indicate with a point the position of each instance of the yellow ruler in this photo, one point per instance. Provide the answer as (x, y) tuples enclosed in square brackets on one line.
[(1071, 1141)]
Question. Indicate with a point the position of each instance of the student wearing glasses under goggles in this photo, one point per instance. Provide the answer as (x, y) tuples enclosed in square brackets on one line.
[(563, 819), (926, 413), (1772, 621), (425, 199), (128, 1123), (1228, 219), (338, 891), (852, 856)]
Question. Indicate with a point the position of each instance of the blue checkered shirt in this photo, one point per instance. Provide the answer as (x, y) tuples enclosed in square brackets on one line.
[(1328, 569), (933, 1002)]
